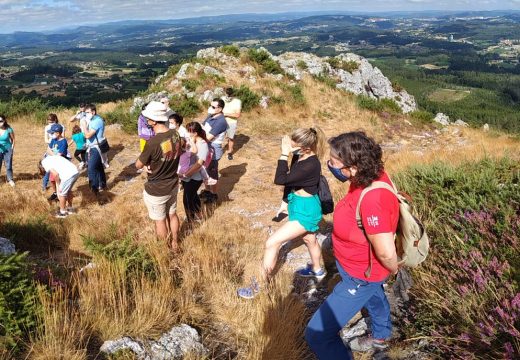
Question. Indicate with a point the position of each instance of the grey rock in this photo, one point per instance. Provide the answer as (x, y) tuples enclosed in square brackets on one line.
[(183, 71), (442, 119), (459, 122), (264, 102), (174, 344), (214, 53), (207, 96), (208, 70), (358, 329), (219, 92), (6, 247)]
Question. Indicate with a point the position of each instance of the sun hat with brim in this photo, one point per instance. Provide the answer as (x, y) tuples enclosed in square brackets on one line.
[(156, 111), (55, 128)]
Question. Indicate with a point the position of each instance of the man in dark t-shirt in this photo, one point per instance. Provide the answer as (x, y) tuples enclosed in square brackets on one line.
[(160, 159)]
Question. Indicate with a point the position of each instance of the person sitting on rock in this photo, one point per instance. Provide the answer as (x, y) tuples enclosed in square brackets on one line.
[(304, 206)]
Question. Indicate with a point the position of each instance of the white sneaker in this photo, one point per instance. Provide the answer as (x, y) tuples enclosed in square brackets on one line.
[(11, 182), (106, 166), (81, 165)]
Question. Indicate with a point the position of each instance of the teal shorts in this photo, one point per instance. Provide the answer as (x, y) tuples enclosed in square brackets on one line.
[(306, 210)]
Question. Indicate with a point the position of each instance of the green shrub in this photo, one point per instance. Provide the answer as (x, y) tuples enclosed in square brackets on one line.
[(121, 115), (230, 50), (262, 58), (187, 107), (25, 106), (302, 65), (369, 103), (18, 302), (390, 105), (296, 94), (327, 80), (349, 66), (466, 294), (190, 84), (397, 87), (424, 117), (135, 258), (248, 97)]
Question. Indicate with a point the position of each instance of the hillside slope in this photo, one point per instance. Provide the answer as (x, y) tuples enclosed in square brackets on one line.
[(125, 295)]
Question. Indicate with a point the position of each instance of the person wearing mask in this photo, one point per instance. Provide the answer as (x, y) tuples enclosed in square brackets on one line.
[(51, 119), (304, 206), (215, 126), (232, 111), (160, 160), (6, 149), (95, 134), (365, 259), (80, 116), (58, 146), (175, 122)]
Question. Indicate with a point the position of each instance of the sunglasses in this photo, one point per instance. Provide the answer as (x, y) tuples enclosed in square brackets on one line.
[(215, 107)]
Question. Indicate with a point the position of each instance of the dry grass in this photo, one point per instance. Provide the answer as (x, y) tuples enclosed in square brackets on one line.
[(198, 287)]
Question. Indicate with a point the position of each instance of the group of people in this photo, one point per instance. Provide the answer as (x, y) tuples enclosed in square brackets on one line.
[(174, 155), (88, 135)]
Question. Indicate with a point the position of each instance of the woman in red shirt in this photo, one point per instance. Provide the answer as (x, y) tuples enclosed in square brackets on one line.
[(356, 158)]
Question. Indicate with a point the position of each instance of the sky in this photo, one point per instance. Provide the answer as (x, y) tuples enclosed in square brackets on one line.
[(44, 15)]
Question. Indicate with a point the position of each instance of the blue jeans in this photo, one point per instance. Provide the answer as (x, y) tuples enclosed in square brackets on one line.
[(96, 171), (347, 298), (7, 158), (45, 181)]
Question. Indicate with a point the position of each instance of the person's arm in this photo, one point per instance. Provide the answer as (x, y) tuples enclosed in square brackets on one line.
[(218, 128), (89, 133), (193, 147), (144, 158), (74, 117), (379, 212), (11, 135), (210, 137), (384, 248), (194, 168)]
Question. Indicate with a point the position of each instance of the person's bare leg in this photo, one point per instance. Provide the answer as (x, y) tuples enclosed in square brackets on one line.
[(62, 201), (161, 229), (231, 144), (314, 250), (289, 231), (173, 228), (70, 197)]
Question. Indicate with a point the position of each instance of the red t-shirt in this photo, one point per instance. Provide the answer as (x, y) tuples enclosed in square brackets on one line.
[(379, 213)]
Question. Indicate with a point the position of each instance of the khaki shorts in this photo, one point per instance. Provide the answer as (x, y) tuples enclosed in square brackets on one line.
[(160, 206), (232, 128)]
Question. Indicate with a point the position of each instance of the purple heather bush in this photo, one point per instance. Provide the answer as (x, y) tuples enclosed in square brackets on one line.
[(466, 296)]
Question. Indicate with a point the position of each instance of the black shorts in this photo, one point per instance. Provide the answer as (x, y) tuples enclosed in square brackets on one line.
[(212, 169)]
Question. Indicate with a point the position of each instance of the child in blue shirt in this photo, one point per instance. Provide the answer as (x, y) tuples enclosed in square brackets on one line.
[(57, 146), (81, 150)]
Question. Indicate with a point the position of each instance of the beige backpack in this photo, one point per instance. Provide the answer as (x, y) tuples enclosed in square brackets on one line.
[(411, 240)]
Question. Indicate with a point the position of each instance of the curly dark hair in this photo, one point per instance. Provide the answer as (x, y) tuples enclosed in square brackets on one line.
[(357, 149)]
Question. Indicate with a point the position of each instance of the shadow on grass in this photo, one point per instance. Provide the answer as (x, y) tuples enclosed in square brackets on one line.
[(36, 234)]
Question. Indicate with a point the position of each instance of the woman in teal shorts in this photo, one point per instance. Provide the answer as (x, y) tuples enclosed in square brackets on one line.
[(302, 179)]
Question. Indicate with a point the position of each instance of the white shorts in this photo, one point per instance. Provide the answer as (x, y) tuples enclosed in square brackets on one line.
[(232, 128), (66, 186), (160, 206)]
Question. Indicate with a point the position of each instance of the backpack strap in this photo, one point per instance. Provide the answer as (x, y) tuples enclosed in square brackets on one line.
[(373, 186)]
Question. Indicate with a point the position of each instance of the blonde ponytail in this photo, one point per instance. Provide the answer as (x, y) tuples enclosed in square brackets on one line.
[(312, 138)]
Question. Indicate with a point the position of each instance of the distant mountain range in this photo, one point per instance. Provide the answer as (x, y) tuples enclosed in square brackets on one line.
[(217, 28)]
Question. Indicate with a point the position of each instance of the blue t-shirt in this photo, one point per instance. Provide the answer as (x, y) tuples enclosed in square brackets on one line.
[(97, 123), (216, 126), (79, 139), (59, 146), (5, 141)]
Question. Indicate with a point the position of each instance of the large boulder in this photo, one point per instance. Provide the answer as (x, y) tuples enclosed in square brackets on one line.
[(442, 119), (174, 344), (6, 247)]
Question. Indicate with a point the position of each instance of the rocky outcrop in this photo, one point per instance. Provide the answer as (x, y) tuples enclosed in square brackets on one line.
[(442, 119), (6, 247), (363, 80), (174, 344)]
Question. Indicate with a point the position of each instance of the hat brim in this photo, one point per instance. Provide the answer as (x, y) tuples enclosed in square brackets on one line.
[(154, 117)]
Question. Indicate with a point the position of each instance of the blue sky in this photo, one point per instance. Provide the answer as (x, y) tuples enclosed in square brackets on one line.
[(38, 15)]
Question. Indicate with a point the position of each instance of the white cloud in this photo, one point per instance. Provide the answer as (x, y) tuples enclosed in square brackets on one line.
[(37, 15)]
